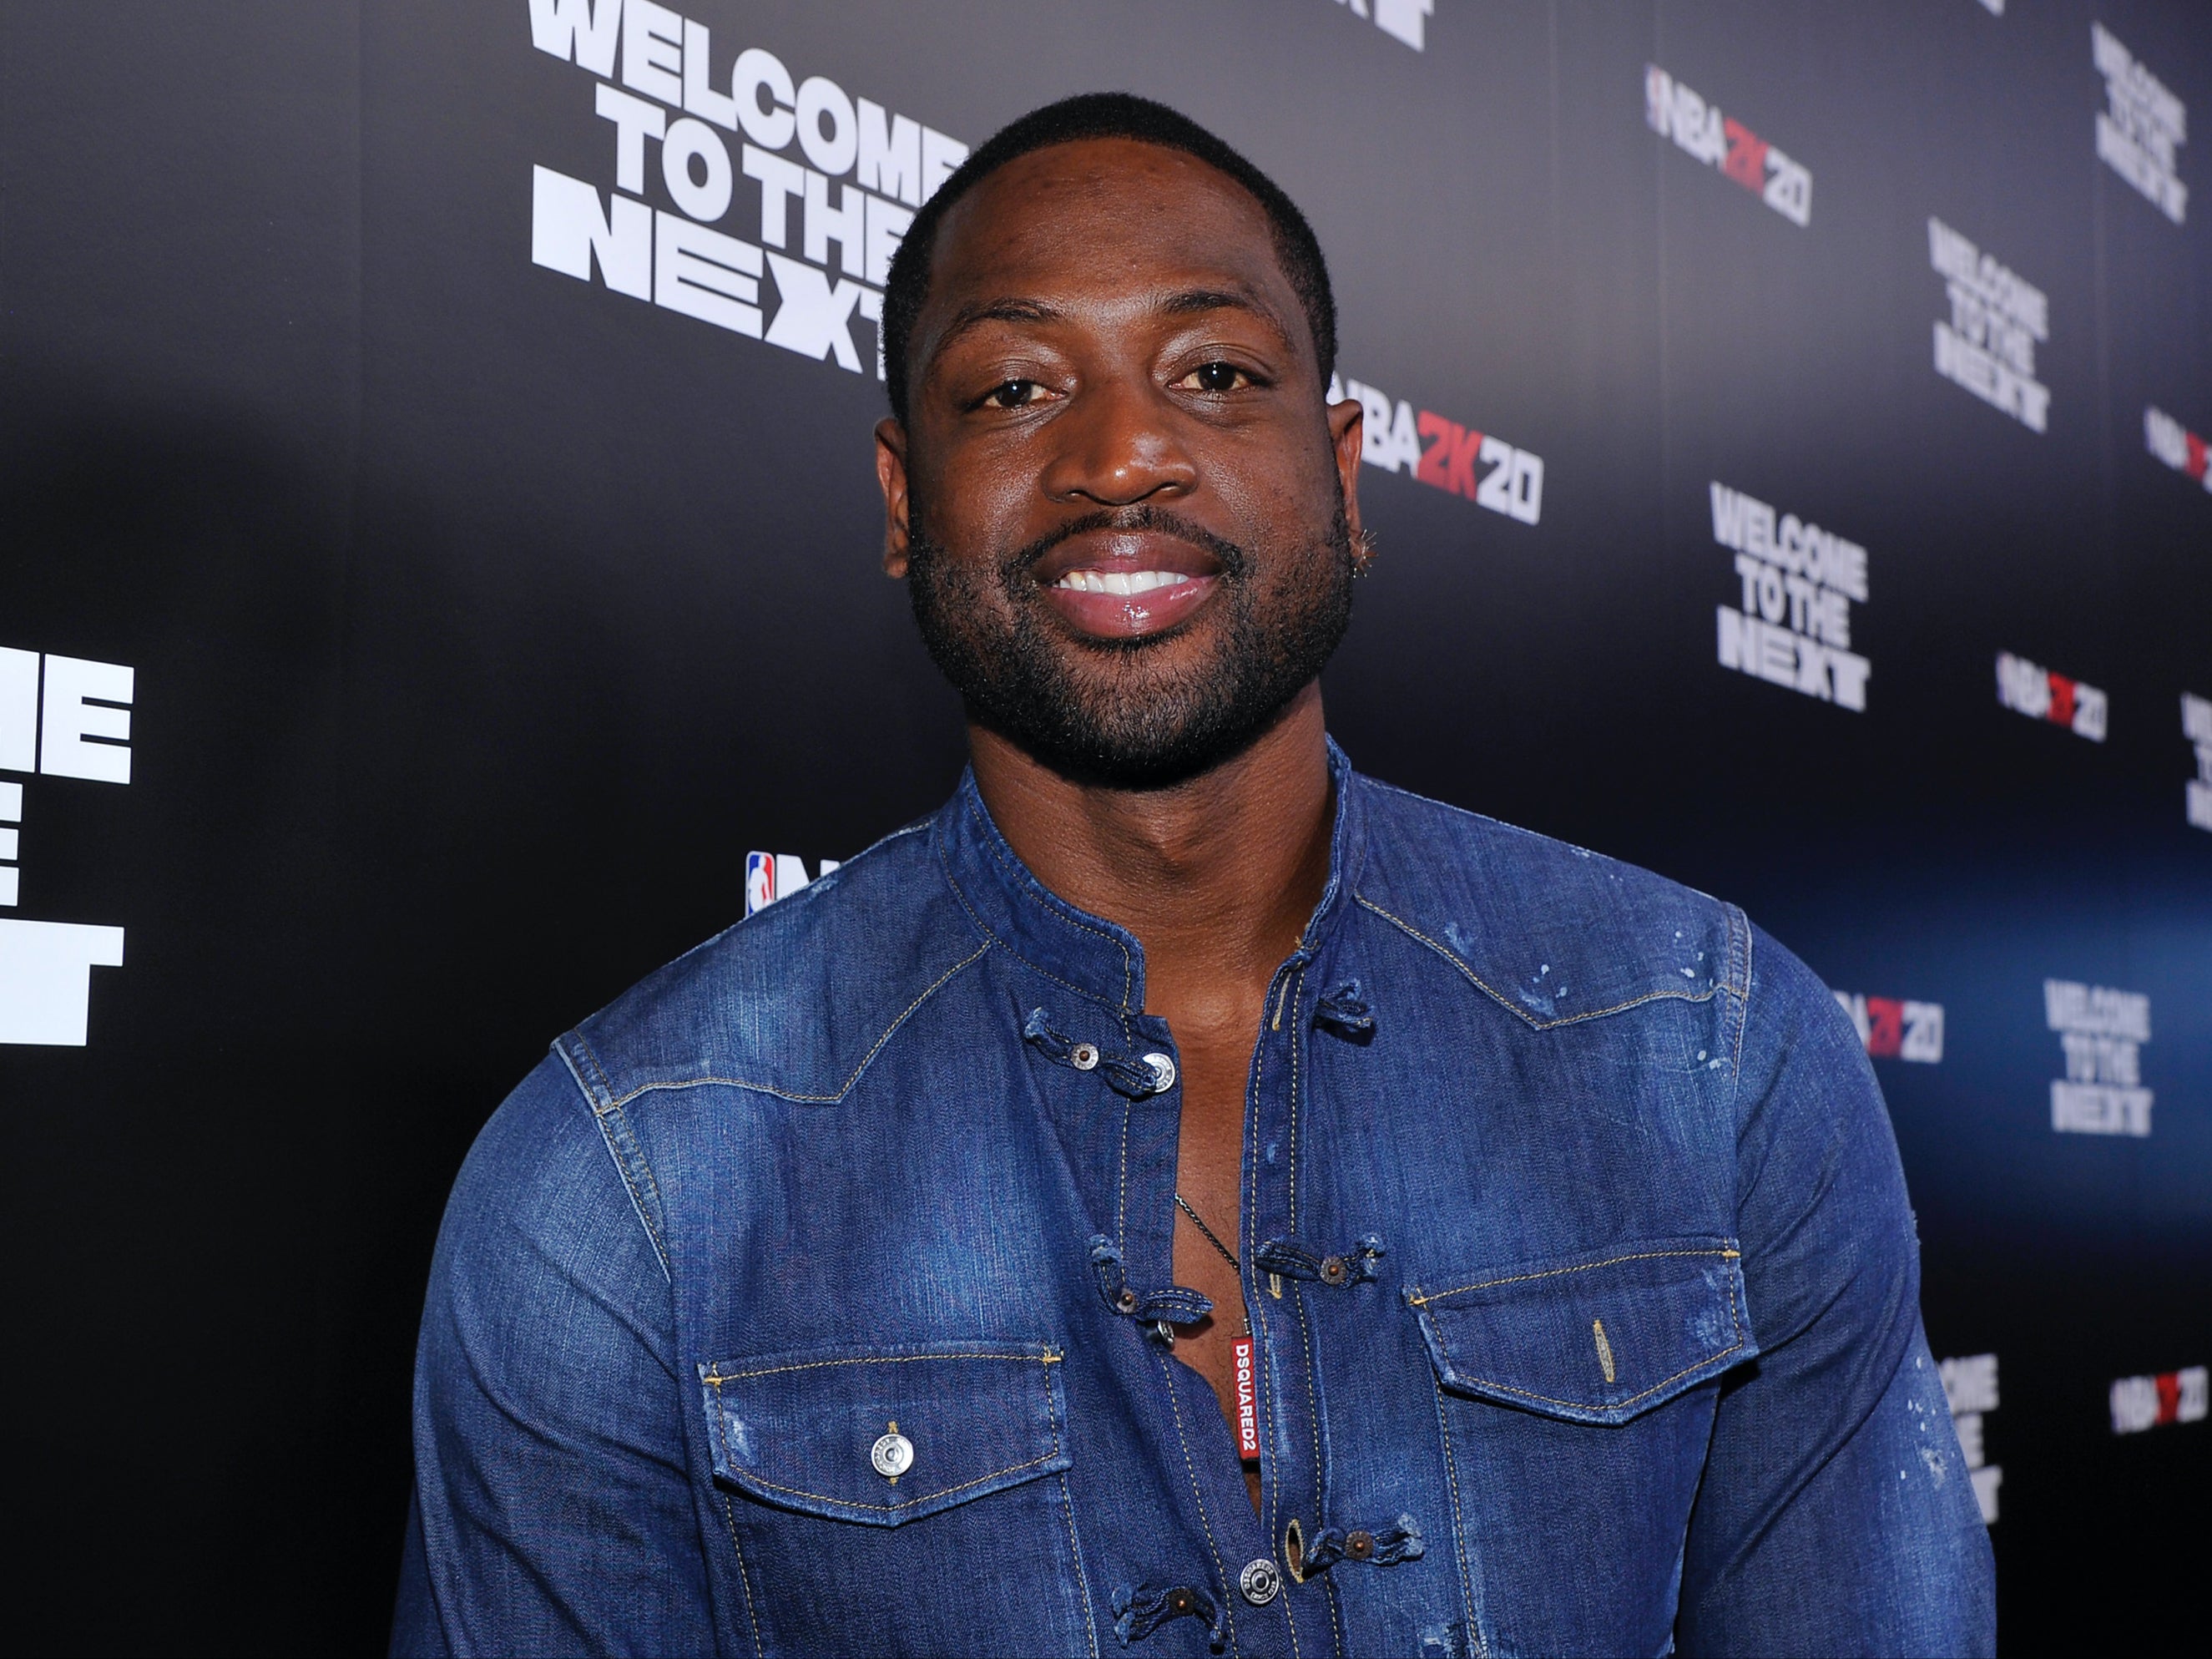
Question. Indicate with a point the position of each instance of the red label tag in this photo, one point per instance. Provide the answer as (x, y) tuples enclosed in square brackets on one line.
[(1247, 1407)]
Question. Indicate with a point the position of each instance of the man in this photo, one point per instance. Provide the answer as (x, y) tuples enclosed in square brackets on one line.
[(1184, 1196)]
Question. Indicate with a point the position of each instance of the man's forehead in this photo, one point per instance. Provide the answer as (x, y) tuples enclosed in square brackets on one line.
[(1107, 212)]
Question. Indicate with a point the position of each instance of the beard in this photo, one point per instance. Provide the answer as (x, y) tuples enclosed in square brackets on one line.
[(1121, 712)]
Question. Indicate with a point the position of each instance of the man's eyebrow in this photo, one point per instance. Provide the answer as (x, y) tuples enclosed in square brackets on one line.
[(1197, 302), (976, 312)]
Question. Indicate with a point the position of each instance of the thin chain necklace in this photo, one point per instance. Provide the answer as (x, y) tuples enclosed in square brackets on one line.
[(1247, 1443), (1198, 1221)]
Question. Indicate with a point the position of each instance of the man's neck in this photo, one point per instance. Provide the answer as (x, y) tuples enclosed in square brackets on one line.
[(1215, 877)]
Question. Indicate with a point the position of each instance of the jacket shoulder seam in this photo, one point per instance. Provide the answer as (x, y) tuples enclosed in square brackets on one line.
[(1506, 1003), (622, 1144), (712, 1079)]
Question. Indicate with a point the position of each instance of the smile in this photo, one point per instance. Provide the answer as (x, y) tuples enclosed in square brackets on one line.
[(1123, 582)]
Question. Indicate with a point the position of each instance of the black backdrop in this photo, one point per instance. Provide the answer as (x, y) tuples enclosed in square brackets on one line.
[(481, 620)]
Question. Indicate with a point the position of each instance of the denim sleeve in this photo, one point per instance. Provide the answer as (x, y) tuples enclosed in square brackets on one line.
[(1835, 1516), (552, 1509)]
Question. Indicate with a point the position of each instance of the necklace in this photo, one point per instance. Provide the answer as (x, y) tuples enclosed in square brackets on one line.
[(1198, 1221), (1248, 1419)]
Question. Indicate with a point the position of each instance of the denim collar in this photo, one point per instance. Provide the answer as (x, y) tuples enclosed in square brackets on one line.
[(1087, 953)]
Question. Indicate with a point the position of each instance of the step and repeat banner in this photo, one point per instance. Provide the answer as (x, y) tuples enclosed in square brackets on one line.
[(441, 585)]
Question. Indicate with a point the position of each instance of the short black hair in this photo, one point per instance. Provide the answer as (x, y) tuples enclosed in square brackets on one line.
[(1101, 115)]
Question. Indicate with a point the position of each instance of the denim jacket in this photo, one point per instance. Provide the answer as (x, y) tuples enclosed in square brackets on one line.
[(815, 1297)]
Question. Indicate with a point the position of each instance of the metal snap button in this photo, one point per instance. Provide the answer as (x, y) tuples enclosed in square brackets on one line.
[(1163, 1073), (1126, 1302), (1083, 1056), (1359, 1544), (892, 1454), (1331, 1269), (1260, 1581), (1181, 1601)]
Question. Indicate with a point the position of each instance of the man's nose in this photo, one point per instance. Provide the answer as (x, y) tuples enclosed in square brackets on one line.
[(1119, 445)]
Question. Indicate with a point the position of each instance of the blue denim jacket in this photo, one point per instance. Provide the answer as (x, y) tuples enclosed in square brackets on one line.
[(1574, 1240)]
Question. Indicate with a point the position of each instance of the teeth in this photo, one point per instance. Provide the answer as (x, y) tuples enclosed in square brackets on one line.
[(1121, 582)]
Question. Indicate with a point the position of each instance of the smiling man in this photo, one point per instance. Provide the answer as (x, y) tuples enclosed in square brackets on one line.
[(1184, 1196)]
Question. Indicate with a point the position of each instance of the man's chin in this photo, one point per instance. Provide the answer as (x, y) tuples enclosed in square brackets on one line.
[(1104, 747)]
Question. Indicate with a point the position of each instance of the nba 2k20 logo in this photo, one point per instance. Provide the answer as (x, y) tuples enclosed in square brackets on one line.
[(2044, 694), (2177, 446), (2161, 1400), (1894, 1029), (60, 717), (1799, 580), (1700, 128), (710, 121), (1437, 451), (2102, 1032)]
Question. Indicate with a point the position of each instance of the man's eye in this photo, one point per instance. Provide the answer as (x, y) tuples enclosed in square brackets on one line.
[(1216, 377), (1013, 394)]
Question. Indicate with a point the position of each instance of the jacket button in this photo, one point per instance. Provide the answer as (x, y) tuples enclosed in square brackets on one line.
[(892, 1454), (1331, 1269), (1181, 1601), (1163, 1073), (1359, 1546), (1126, 1302), (1083, 1056), (1260, 1581)]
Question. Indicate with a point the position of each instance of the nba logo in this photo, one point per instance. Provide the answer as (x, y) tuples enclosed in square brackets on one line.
[(760, 881)]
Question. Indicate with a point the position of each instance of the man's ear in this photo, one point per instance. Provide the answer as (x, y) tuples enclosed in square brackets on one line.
[(1347, 438), (890, 474)]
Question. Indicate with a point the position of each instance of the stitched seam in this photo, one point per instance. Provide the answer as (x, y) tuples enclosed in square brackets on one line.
[(1214, 1548), (749, 1479), (991, 840), (1270, 1490), (722, 1444), (716, 1376), (843, 1089), (1421, 1301), (606, 1085), (1599, 1404), (984, 927), (1475, 979), (1121, 1203), (1295, 988), (1305, 1329), (622, 1158), (1459, 1522), (1067, 1509), (1313, 1409), (1735, 1324), (1082, 1579), (744, 1583)]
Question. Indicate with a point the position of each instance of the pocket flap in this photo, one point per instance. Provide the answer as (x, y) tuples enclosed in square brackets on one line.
[(1595, 1340), (884, 1435)]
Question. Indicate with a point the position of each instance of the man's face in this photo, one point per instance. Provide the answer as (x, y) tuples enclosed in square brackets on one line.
[(1123, 507)]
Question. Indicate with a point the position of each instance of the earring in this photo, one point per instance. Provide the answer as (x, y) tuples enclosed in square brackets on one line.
[(1363, 552)]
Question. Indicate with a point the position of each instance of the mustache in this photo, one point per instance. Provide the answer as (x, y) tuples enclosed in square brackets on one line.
[(1157, 520)]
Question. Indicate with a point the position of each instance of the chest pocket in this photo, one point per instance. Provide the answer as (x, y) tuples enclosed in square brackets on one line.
[(887, 1435), (1600, 1338)]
